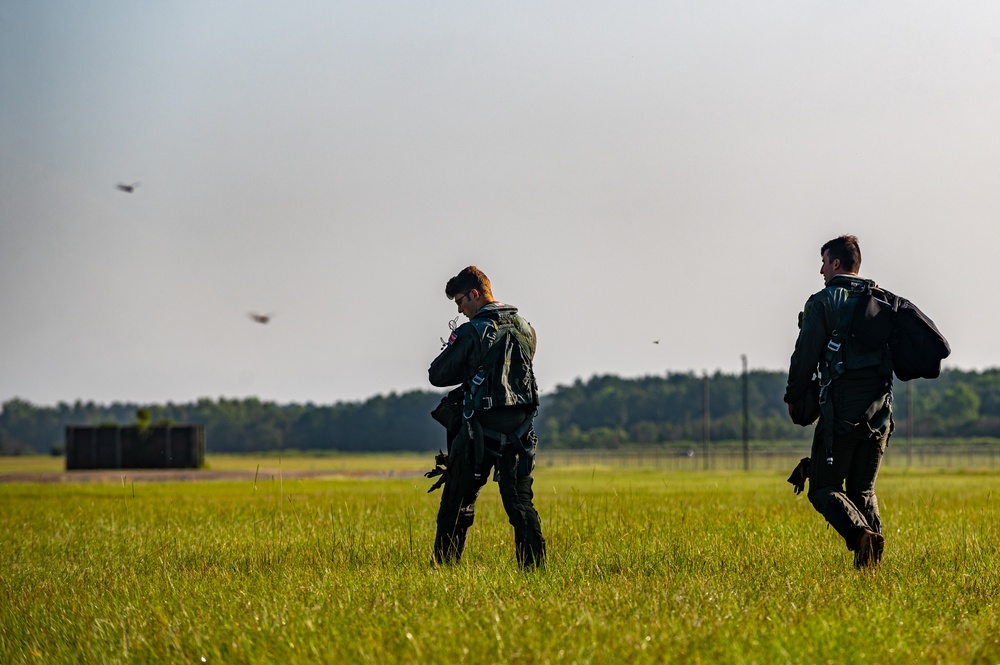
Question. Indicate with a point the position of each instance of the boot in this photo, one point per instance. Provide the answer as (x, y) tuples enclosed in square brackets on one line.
[(868, 550)]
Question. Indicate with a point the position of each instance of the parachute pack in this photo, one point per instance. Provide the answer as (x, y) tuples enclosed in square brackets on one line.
[(916, 346)]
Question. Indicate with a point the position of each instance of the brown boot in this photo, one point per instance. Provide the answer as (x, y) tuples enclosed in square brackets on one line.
[(868, 551)]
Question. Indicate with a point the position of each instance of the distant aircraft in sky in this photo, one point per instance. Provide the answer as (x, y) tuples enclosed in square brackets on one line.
[(127, 188), (260, 318)]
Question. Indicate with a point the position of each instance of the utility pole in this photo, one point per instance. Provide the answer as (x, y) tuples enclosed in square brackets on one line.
[(706, 422), (746, 415)]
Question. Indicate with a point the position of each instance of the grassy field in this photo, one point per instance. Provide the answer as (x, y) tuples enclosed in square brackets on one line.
[(644, 566)]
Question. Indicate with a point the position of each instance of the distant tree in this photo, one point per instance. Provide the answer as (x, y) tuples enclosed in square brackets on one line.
[(604, 411)]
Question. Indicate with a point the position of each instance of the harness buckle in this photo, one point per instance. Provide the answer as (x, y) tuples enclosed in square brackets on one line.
[(824, 388), (833, 346)]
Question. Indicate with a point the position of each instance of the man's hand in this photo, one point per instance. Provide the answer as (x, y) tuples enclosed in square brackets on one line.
[(800, 474), (791, 413), (440, 469), (440, 465)]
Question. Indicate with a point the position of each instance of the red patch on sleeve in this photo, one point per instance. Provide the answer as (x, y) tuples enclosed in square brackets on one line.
[(452, 337)]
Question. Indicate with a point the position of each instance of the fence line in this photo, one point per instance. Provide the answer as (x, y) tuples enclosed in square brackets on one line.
[(762, 459)]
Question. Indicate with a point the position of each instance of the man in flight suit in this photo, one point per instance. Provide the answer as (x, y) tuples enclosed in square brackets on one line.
[(855, 418), (490, 357)]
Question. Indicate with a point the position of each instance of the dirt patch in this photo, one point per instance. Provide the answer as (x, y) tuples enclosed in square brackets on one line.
[(184, 475)]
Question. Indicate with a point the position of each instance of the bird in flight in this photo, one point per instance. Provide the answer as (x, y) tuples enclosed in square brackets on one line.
[(259, 318), (127, 188)]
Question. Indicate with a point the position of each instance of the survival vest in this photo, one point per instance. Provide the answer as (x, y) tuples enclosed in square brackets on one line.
[(851, 346), (870, 324), (504, 376)]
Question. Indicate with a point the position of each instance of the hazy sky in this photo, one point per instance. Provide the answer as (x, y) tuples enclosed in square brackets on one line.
[(623, 172)]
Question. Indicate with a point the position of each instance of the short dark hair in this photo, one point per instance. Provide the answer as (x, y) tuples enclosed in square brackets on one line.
[(470, 278), (846, 249)]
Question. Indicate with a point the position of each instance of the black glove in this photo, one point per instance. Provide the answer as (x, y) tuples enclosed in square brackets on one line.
[(800, 474), (440, 469)]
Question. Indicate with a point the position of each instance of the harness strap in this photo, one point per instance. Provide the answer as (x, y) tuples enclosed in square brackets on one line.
[(516, 435), (479, 434)]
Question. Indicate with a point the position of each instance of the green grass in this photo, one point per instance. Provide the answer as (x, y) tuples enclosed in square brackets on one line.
[(644, 566), (296, 461)]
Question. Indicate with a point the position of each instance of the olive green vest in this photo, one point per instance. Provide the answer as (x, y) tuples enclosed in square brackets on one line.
[(505, 376)]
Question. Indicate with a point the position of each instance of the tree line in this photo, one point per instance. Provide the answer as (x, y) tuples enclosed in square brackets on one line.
[(601, 412)]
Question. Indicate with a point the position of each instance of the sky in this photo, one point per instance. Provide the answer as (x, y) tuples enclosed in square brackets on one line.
[(625, 173)]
